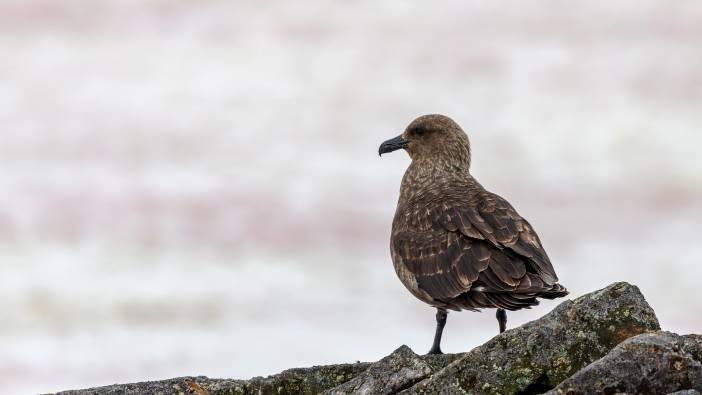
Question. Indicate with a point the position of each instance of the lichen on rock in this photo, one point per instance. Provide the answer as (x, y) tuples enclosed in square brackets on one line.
[(298, 381), (651, 363), (542, 353), (397, 371)]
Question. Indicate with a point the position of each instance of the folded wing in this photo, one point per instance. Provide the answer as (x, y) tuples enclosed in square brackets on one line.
[(483, 250)]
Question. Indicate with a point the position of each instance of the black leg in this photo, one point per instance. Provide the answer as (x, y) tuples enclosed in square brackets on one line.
[(501, 319), (440, 323)]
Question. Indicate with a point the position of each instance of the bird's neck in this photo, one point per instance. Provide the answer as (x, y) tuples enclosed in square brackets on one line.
[(431, 176)]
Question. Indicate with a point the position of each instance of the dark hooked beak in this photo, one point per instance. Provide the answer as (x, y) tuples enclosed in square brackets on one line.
[(392, 145)]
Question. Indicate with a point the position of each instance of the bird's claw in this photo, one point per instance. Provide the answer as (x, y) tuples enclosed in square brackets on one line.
[(435, 351)]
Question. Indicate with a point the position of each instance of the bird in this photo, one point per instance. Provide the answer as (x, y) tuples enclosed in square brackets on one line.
[(455, 245)]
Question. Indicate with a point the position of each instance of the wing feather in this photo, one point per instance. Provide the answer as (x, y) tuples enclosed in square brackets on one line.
[(478, 247), (500, 223)]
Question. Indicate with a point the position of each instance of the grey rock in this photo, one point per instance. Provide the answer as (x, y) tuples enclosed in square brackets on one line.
[(652, 363), (303, 381), (179, 385), (540, 354), (693, 345), (397, 371), (685, 392), (533, 358)]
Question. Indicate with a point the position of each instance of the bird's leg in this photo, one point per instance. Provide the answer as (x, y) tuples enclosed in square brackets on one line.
[(501, 319), (441, 315)]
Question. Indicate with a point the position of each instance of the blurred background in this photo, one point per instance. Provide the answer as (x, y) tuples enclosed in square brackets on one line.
[(193, 188)]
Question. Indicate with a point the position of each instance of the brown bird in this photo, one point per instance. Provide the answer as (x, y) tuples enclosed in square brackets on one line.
[(455, 245)]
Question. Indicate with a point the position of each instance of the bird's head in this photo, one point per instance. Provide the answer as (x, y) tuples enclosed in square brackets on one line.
[(432, 137)]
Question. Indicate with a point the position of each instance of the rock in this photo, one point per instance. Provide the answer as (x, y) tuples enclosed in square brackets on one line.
[(652, 363), (397, 371), (540, 354), (179, 385), (534, 358), (693, 345), (302, 381)]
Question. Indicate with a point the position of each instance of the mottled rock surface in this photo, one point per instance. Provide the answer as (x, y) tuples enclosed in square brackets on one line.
[(312, 380), (693, 345), (652, 363), (540, 354), (580, 347), (399, 370)]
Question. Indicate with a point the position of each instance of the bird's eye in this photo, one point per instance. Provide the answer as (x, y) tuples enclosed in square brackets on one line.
[(419, 131)]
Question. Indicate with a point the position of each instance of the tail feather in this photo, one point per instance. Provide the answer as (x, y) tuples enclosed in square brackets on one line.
[(556, 291), (523, 297)]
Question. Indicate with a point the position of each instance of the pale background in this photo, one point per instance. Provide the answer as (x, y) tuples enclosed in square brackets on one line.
[(193, 188)]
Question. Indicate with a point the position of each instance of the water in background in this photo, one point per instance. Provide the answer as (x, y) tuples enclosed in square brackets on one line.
[(194, 189)]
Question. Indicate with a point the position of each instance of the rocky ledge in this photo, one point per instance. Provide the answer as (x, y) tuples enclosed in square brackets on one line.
[(605, 342)]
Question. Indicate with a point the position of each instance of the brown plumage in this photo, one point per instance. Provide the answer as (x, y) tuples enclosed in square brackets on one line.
[(455, 245)]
